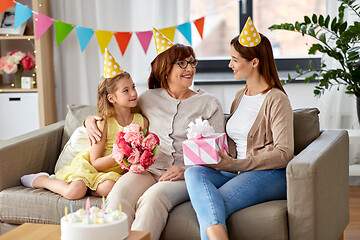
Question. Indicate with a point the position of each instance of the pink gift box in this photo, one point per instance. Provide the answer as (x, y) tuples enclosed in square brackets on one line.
[(201, 151)]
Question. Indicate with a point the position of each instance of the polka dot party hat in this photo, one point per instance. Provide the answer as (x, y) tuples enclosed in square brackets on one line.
[(249, 36), (111, 67), (162, 43)]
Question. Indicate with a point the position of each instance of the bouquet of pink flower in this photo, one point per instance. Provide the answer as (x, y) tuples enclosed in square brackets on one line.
[(15, 61), (135, 149)]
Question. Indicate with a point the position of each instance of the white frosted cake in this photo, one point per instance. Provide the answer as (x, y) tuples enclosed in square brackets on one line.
[(94, 225)]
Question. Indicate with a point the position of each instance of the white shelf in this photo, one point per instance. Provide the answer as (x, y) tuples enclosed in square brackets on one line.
[(21, 114)]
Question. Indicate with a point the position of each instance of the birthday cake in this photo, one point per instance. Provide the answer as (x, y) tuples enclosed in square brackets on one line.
[(94, 224)]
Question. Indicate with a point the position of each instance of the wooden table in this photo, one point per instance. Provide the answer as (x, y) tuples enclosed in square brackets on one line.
[(32, 231)]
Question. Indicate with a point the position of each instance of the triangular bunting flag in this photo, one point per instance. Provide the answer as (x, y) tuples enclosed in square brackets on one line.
[(123, 39), (62, 30), (84, 36), (199, 23), (22, 14), (103, 38), (42, 23), (169, 33), (144, 38), (5, 4), (185, 29)]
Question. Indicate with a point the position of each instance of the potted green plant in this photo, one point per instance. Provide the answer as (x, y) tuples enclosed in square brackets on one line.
[(338, 40)]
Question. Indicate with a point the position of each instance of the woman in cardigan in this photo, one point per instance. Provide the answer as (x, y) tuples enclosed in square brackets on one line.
[(261, 143), (169, 105)]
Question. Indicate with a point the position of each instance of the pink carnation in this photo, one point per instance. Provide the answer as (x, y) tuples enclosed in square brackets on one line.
[(134, 156), (117, 153), (119, 136), (150, 142), (136, 168), (146, 159), (125, 148), (134, 138), (132, 128)]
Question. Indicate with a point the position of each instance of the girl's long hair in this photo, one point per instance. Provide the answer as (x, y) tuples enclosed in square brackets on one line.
[(263, 52), (107, 86), (163, 63)]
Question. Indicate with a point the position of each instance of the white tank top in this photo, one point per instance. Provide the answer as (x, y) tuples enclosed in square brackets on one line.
[(241, 121)]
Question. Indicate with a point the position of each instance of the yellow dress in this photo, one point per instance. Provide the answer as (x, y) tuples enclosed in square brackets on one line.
[(81, 169)]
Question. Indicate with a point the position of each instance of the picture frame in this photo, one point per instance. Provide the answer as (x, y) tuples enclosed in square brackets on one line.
[(7, 21)]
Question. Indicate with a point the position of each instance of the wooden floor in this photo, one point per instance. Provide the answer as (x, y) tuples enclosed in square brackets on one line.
[(352, 231)]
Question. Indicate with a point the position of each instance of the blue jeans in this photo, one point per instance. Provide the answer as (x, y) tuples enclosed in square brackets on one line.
[(216, 195)]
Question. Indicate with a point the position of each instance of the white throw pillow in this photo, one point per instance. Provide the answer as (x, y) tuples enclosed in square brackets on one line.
[(78, 142)]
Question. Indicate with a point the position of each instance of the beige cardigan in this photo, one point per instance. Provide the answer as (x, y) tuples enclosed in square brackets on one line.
[(270, 142), (169, 118)]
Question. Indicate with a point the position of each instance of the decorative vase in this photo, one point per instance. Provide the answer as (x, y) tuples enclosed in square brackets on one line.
[(17, 77)]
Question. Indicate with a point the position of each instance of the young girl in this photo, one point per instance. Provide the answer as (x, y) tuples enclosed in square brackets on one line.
[(94, 168)]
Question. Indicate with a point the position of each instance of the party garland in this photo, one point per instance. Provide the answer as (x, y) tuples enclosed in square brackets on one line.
[(62, 29)]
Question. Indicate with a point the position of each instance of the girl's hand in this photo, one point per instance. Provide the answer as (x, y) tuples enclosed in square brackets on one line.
[(226, 163), (174, 173), (94, 134)]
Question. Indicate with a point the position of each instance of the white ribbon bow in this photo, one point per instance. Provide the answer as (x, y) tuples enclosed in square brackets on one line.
[(201, 128)]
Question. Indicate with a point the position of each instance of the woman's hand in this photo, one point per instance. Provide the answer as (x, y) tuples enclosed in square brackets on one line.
[(226, 163), (174, 173), (94, 134)]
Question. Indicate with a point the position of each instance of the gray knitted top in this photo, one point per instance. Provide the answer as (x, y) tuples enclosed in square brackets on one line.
[(169, 119)]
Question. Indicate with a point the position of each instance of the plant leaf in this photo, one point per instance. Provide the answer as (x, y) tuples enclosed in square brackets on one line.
[(322, 37), (321, 20), (311, 32), (334, 25), (327, 20), (126, 163), (342, 27), (156, 149), (144, 131), (314, 18)]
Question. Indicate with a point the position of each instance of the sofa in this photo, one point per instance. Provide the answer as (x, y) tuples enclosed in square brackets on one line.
[(317, 185)]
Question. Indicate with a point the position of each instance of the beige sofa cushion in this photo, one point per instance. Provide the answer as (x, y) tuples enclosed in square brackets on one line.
[(306, 127), (74, 119), (262, 221), (20, 204), (78, 142)]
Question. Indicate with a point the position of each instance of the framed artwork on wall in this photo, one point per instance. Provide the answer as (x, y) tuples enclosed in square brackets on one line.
[(7, 21)]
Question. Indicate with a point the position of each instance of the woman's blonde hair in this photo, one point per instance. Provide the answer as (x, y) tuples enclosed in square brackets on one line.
[(107, 86)]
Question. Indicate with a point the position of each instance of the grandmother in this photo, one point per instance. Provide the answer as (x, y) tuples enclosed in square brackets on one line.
[(169, 105)]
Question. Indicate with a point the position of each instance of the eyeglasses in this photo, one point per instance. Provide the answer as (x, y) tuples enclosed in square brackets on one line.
[(183, 63)]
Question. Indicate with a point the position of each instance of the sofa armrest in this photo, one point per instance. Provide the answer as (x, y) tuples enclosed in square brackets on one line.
[(29, 153), (317, 188)]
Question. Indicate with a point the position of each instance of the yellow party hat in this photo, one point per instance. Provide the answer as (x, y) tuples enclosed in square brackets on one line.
[(111, 67), (249, 36), (162, 43)]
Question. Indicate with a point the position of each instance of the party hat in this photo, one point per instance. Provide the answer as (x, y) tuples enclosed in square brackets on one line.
[(249, 36), (162, 43), (111, 67)]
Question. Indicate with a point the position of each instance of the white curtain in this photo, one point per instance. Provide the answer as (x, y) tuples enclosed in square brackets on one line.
[(338, 110), (77, 73)]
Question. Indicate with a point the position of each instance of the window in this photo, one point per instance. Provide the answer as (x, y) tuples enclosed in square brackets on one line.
[(221, 25), (225, 18)]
